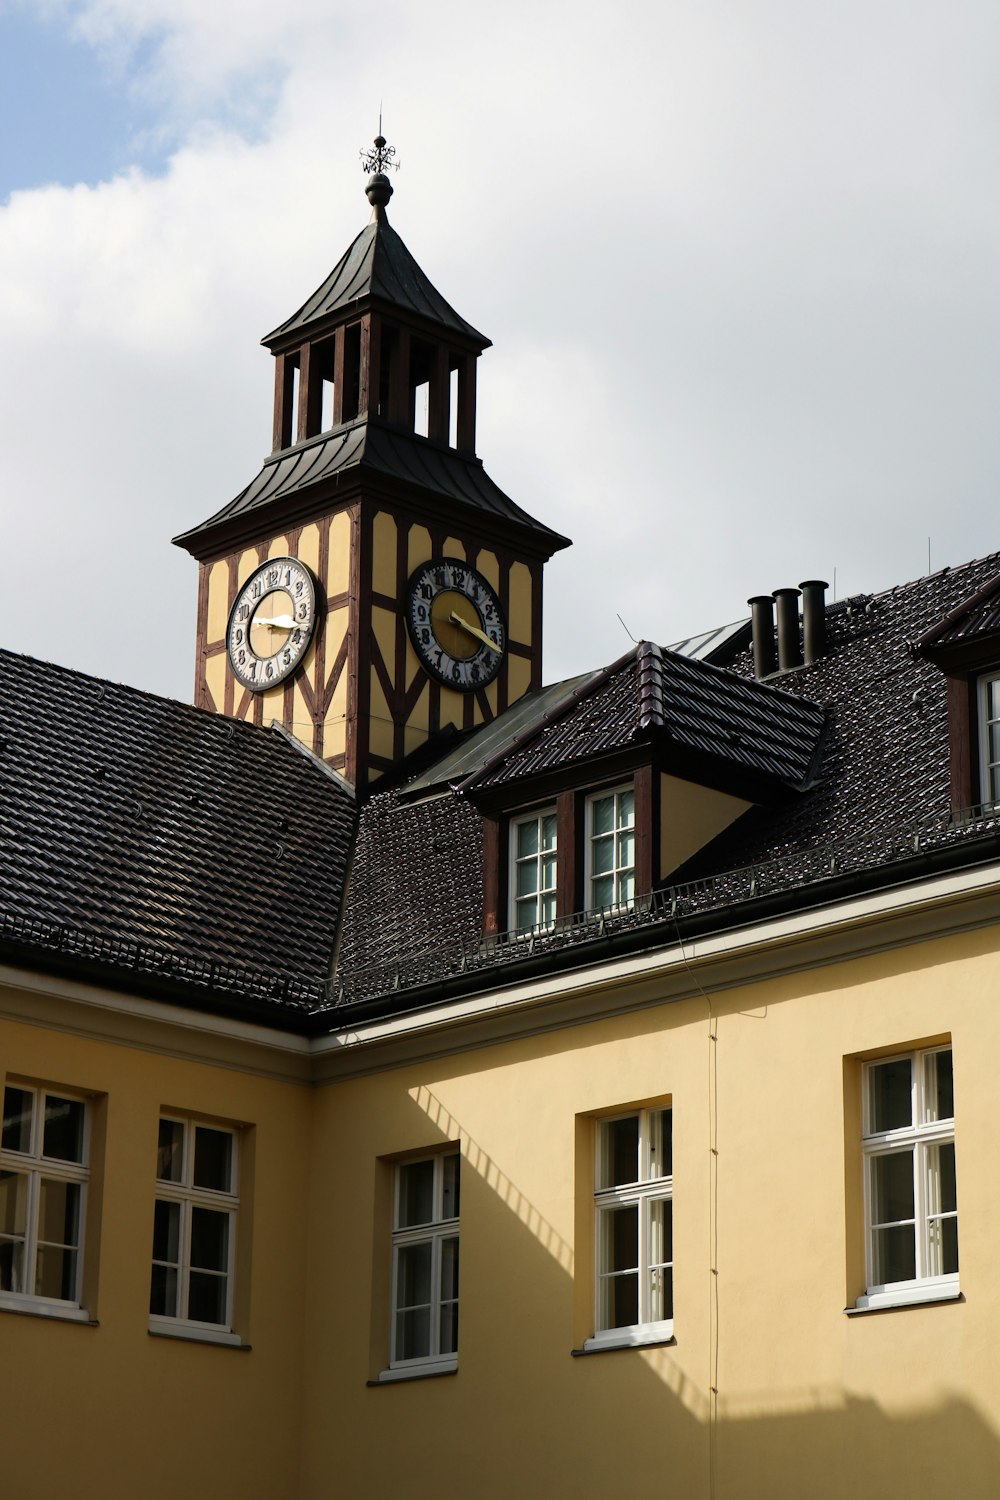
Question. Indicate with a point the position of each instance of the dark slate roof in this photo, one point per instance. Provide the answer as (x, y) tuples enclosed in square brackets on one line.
[(165, 838), (368, 446), (697, 706), (379, 265)]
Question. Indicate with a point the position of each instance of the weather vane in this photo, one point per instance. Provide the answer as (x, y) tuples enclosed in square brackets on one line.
[(381, 159)]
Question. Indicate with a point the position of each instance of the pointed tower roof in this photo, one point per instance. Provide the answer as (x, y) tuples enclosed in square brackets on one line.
[(376, 266)]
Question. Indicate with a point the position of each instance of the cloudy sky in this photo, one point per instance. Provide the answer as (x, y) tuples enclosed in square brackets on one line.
[(739, 260)]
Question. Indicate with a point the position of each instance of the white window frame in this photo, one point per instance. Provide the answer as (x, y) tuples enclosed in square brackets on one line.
[(618, 870), (642, 1194), (989, 771), (189, 1197), (916, 1138), (435, 1232), (539, 924), (35, 1166)]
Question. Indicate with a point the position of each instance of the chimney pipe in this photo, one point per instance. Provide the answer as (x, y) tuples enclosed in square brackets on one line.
[(762, 616), (813, 618), (789, 649)]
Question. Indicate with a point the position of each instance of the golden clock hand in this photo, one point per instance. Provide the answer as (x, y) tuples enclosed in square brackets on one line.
[(283, 622), (456, 619)]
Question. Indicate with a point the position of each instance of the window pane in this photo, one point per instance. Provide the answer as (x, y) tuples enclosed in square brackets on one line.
[(63, 1129), (55, 1273), (163, 1292), (661, 1293), (549, 872), (895, 1254), (626, 887), (213, 1159), (13, 1199), (661, 1143), (604, 891), (11, 1265), (626, 850), (944, 1247), (450, 1187), (994, 747), (209, 1239), (207, 1297), (59, 1212), (939, 1093), (941, 1194), (602, 815), (527, 838), (527, 878), (449, 1269), (413, 1274), (526, 914), (416, 1194), (166, 1231), (661, 1232), (620, 1238), (547, 914), (549, 831), (604, 856), (16, 1119), (619, 1155), (626, 809), (892, 1187), (413, 1333), (994, 693), (619, 1301), (889, 1095), (170, 1151), (449, 1328)]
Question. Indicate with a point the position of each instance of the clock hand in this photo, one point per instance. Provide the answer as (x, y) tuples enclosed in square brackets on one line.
[(284, 622), (456, 619)]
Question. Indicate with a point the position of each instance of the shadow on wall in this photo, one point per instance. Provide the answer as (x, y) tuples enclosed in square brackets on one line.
[(524, 1419)]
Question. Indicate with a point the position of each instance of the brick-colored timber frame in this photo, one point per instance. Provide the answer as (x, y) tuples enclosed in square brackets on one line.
[(403, 680)]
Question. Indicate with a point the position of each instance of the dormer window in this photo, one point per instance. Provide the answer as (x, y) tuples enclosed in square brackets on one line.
[(533, 870), (610, 871), (989, 738)]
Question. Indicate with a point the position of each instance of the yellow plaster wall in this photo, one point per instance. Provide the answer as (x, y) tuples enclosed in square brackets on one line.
[(94, 1412), (520, 604), (690, 817), (810, 1402), (339, 554), (384, 554), (218, 602), (215, 677)]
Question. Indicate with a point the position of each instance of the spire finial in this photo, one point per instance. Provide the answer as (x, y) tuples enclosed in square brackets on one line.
[(378, 162)]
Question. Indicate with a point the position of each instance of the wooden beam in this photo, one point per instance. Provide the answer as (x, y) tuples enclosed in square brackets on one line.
[(569, 854), (338, 377), (439, 404), (647, 829), (284, 389), (466, 436), (400, 393)]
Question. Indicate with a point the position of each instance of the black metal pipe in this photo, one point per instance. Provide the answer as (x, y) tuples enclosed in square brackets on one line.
[(813, 619), (762, 624), (789, 647)]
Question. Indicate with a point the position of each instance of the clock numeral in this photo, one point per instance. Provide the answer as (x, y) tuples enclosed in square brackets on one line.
[(252, 673), (296, 636), (303, 613), (272, 577), (256, 589), (425, 636), (244, 612), (299, 586), (269, 670), (288, 577), (241, 658), (286, 657), (238, 637)]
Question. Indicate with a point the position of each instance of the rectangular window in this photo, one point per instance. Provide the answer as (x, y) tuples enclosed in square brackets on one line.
[(194, 1228), (43, 1184), (611, 848), (425, 1264), (989, 738), (911, 1205), (533, 870), (633, 1202)]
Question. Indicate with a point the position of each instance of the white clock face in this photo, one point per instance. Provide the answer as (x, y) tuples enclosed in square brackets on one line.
[(456, 624), (271, 623)]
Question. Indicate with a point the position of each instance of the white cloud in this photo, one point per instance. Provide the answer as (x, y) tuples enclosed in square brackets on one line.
[(739, 262)]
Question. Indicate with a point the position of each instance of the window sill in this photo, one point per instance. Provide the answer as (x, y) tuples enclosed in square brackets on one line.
[(656, 1336), (33, 1307), (191, 1333), (924, 1296), (415, 1372)]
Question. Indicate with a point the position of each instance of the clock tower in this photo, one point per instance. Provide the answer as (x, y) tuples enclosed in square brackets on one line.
[(372, 585)]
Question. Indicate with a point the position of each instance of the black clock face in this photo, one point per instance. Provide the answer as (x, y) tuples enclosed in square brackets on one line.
[(271, 623), (456, 624)]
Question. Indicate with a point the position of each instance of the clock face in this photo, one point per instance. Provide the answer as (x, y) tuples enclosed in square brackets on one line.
[(271, 623), (456, 624)]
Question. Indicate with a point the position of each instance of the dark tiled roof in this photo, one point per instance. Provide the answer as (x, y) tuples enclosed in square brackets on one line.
[(366, 445), (377, 264), (879, 792), (697, 706), (139, 825), (974, 617)]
